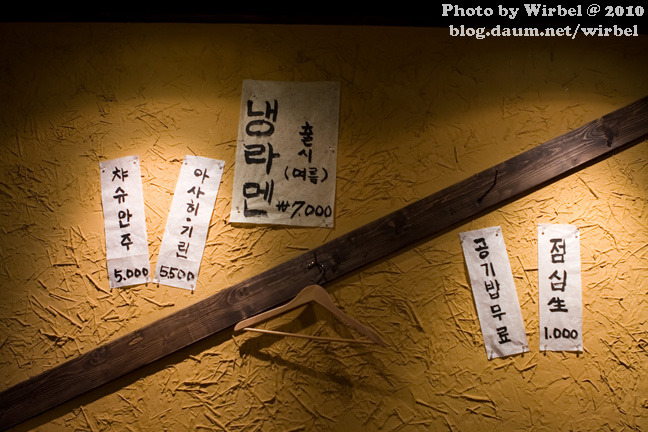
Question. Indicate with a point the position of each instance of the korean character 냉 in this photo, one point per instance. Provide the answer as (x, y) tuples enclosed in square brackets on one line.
[(261, 126)]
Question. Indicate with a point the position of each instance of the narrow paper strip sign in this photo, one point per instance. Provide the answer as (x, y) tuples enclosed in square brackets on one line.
[(496, 300), (127, 252), (559, 288), (366, 244), (187, 225)]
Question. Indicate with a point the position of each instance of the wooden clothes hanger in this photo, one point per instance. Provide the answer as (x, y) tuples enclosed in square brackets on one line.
[(312, 293)]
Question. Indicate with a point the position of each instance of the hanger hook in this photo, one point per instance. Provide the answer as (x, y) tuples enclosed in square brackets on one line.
[(320, 266)]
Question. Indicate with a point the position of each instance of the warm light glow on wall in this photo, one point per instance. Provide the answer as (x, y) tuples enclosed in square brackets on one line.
[(420, 111)]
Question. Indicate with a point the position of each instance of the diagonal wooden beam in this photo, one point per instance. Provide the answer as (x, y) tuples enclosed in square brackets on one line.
[(387, 235)]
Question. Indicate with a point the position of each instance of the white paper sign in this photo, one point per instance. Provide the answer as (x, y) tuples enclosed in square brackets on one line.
[(124, 220), (185, 234), (494, 292), (286, 157), (559, 282)]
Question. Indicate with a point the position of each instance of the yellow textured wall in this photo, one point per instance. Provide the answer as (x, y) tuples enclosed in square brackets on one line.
[(419, 111)]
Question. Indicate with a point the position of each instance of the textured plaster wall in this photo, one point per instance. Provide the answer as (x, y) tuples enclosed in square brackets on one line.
[(420, 111)]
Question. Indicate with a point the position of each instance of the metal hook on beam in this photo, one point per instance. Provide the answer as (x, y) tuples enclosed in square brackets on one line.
[(320, 266)]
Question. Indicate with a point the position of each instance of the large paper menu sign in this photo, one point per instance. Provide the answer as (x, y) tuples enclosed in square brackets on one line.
[(286, 155)]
